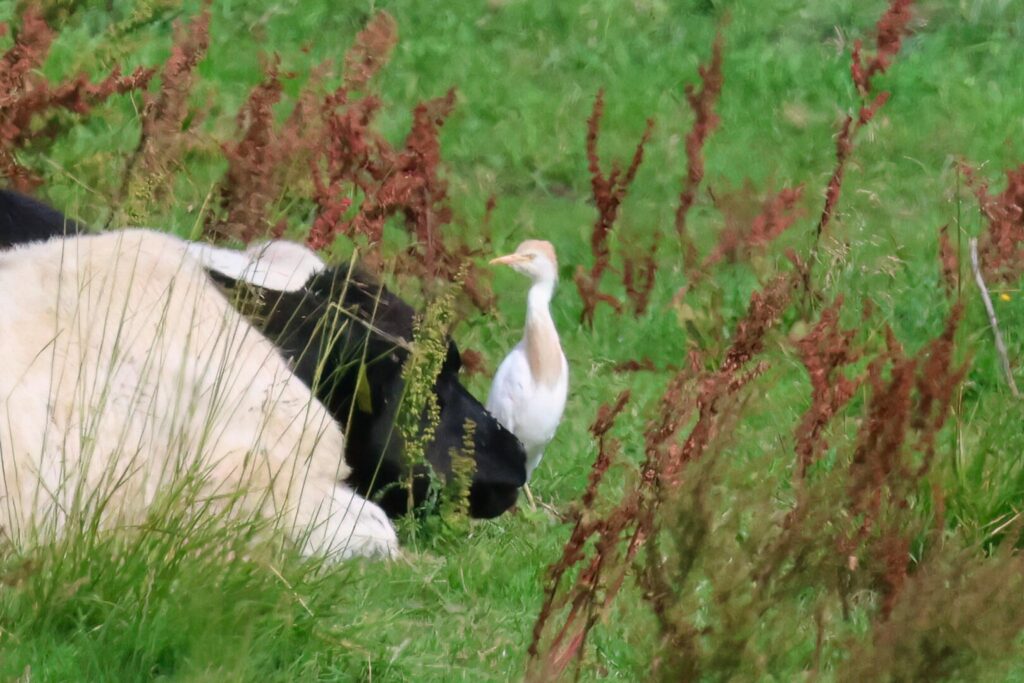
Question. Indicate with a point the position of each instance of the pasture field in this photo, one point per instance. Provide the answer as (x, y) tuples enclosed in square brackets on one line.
[(186, 603)]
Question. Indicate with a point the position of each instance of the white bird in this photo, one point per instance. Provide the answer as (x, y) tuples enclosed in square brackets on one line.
[(529, 390)]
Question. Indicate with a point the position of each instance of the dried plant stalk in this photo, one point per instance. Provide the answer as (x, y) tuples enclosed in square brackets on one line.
[(1004, 358)]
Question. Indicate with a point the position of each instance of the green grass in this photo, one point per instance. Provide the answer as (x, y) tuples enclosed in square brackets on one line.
[(461, 605)]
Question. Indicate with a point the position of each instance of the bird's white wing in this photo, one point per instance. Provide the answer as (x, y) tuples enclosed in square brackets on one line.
[(510, 389)]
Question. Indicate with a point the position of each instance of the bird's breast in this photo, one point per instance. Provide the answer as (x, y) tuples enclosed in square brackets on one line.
[(544, 351), (541, 415)]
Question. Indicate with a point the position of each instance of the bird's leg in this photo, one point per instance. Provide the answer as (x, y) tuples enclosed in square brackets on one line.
[(534, 505), (529, 496)]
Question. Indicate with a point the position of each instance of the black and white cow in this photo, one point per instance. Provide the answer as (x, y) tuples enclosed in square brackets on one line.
[(127, 375), (329, 322)]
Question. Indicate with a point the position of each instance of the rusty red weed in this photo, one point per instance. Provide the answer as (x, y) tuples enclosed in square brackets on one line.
[(639, 273), (28, 101), (890, 29), (949, 262), (608, 193), (705, 121), (827, 351), (252, 179), (620, 533), (163, 118), (1001, 244)]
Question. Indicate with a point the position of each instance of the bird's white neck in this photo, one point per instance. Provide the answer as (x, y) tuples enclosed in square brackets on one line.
[(543, 349)]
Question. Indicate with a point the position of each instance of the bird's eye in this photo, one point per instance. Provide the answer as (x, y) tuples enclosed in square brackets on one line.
[(531, 256)]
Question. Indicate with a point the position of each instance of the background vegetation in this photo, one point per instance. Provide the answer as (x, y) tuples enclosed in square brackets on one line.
[(891, 552)]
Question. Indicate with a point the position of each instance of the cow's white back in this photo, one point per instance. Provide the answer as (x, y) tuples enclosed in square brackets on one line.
[(122, 369)]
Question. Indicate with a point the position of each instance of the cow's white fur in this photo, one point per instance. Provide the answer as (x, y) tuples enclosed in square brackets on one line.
[(279, 265), (123, 368)]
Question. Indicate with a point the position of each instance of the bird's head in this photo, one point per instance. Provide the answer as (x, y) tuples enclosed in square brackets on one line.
[(533, 258)]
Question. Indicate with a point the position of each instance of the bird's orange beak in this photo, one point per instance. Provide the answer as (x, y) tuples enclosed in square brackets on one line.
[(508, 260)]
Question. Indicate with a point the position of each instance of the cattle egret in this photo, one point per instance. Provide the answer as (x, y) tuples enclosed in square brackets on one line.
[(529, 390)]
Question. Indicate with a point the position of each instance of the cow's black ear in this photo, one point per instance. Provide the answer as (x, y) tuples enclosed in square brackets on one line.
[(226, 282), (452, 360), (236, 291)]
